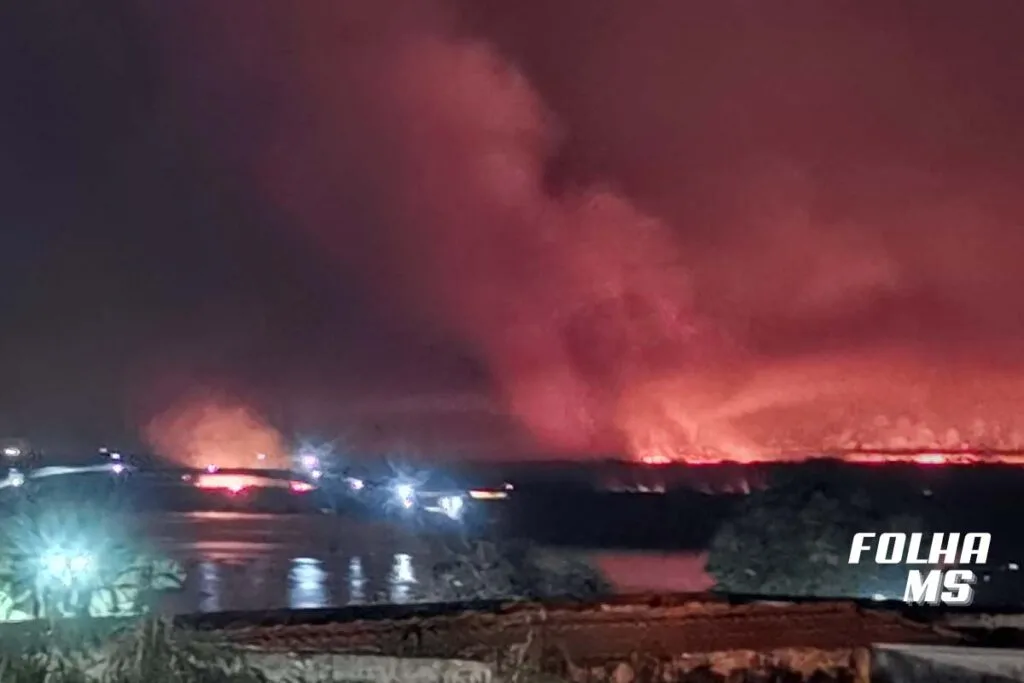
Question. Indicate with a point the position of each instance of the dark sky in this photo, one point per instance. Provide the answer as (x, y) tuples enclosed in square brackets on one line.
[(497, 225)]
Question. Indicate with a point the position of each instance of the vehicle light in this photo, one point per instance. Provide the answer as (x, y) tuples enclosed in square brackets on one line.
[(316, 474), (117, 468), (301, 487), (356, 484), (487, 495), (452, 506), (406, 495), (212, 468), (12, 451)]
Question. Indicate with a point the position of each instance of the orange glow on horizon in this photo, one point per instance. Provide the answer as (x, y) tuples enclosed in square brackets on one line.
[(236, 483), (210, 432), (957, 458)]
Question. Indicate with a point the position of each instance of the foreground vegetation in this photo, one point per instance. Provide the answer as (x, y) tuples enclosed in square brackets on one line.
[(149, 650), (794, 541), (78, 592)]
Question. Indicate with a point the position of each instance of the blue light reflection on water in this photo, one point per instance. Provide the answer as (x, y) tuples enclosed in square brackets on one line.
[(209, 586), (232, 583), (307, 584), (356, 581), (402, 581)]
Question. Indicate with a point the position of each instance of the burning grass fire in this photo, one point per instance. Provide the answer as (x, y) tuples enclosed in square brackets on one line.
[(867, 409), (769, 302)]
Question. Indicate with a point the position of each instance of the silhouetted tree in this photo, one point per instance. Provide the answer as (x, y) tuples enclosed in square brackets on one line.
[(795, 541), (486, 570)]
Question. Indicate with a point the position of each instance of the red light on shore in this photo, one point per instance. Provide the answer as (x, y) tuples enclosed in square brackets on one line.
[(224, 482)]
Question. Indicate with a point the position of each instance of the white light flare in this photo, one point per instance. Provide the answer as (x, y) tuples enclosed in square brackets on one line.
[(452, 506), (67, 567), (406, 495)]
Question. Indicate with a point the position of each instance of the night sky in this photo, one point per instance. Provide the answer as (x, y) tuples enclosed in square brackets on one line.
[(523, 226)]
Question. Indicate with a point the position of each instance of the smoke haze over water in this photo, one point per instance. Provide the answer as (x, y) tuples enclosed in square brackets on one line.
[(707, 225)]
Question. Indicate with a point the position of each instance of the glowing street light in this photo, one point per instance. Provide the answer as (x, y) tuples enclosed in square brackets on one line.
[(452, 506), (406, 495), (67, 567), (15, 478)]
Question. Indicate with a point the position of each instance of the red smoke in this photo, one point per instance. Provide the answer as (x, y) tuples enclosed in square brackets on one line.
[(209, 430), (830, 237)]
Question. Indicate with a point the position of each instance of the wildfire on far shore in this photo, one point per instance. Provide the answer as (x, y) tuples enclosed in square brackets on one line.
[(881, 409), (933, 458)]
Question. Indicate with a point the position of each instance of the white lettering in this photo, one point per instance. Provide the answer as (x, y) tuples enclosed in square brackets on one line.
[(923, 588), (890, 548), (914, 551), (858, 547), (954, 588), (944, 552), (959, 585), (975, 549)]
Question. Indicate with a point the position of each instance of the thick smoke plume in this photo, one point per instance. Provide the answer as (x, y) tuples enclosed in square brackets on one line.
[(210, 430), (823, 260)]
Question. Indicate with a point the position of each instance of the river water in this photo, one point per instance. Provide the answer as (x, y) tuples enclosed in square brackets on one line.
[(255, 562)]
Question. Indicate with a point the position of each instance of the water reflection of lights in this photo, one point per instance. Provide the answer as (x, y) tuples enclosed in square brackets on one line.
[(402, 579), (209, 587), (356, 581), (307, 584), (14, 478)]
